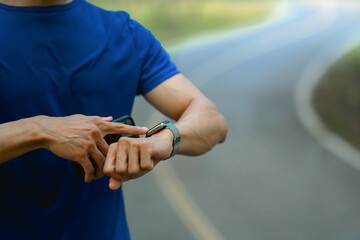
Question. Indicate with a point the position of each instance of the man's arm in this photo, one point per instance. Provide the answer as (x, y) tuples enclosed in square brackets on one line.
[(200, 124), (76, 138), (18, 138)]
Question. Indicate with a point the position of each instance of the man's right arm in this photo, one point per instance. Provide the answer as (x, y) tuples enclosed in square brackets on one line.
[(76, 138), (19, 137)]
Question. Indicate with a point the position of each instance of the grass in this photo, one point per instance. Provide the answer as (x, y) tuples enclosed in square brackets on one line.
[(337, 98), (171, 20)]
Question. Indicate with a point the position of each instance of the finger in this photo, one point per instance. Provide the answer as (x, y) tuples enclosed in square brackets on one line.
[(155, 161), (133, 161), (133, 177), (107, 119), (100, 142), (121, 163), (114, 184), (99, 119), (88, 169), (102, 146), (120, 128), (99, 160), (109, 166), (145, 160)]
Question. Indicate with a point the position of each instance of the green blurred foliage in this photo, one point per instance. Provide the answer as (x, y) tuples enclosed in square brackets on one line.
[(337, 98), (172, 20)]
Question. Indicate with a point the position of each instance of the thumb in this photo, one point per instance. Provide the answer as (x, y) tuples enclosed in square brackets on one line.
[(114, 184)]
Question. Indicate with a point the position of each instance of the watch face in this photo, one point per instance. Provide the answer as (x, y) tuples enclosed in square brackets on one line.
[(155, 129)]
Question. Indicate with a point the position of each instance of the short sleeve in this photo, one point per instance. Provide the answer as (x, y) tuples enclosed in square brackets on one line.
[(156, 65)]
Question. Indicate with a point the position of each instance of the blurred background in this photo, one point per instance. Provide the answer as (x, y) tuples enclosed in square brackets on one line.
[(173, 20), (286, 75)]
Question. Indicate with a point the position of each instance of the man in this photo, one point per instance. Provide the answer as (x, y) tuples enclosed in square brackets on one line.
[(65, 66)]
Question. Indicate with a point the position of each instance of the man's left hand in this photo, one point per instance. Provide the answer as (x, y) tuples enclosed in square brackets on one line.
[(131, 158)]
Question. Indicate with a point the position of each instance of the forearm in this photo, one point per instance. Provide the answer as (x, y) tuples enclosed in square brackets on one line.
[(200, 124), (201, 127), (18, 138)]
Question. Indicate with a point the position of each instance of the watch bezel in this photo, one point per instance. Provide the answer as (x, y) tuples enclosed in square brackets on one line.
[(157, 128)]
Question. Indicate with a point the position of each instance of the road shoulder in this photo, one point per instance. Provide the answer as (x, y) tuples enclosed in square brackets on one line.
[(307, 115)]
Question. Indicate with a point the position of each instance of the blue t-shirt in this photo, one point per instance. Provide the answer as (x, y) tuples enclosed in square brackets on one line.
[(63, 60)]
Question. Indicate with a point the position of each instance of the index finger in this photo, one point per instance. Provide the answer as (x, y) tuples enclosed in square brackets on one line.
[(121, 128)]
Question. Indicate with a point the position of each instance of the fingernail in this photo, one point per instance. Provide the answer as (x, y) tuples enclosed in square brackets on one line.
[(143, 128)]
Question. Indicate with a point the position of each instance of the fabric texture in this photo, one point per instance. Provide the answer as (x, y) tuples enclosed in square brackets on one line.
[(58, 61)]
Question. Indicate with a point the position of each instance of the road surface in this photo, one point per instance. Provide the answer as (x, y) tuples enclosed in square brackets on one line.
[(271, 179)]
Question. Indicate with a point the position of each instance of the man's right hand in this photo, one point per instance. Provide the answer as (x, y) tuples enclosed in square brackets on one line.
[(79, 138)]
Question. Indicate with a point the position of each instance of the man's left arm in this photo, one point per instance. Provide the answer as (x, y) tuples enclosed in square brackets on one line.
[(200, 125)]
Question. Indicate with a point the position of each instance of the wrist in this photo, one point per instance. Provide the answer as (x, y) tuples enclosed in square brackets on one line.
[(37, 131), (175, 134), (164, 142), (30, 132)]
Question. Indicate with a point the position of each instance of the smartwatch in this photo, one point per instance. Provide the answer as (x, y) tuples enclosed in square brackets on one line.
[(161, 126)]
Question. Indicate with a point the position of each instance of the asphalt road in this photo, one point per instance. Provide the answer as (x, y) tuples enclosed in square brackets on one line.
[(271, 179)]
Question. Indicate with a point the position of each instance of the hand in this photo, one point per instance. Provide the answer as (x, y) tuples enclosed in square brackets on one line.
[(131, 158), (79, 138)]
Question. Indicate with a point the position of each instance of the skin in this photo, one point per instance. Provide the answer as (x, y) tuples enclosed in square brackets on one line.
[(200, 124), (79, 138), (76, 138)]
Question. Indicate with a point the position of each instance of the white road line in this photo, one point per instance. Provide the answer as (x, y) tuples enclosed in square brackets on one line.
[(180, 200), (305, 110), (184, 206), (171, 186), (300, 30), (228, 33)]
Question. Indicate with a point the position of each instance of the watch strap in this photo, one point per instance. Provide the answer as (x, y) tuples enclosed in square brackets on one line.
[(176, 139)]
